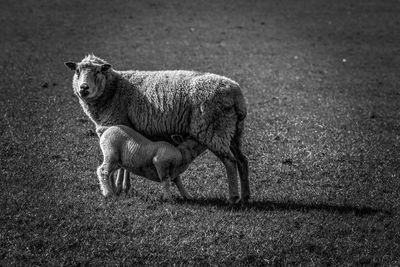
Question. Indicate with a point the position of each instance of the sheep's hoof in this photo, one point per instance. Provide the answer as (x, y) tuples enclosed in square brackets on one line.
[(234, 200)]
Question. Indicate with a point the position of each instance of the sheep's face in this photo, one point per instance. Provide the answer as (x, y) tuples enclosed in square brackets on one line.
[(89, 79)]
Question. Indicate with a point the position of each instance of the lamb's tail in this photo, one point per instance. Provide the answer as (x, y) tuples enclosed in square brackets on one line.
[(100, 130)]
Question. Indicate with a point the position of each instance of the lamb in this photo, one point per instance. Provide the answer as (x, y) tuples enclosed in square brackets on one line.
[(205, 107), (158, 161)]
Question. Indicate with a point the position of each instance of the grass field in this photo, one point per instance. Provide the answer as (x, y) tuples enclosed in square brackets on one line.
[(321, 79)]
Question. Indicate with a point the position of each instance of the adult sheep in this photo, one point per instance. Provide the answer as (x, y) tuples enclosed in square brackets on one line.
[(203, 106)]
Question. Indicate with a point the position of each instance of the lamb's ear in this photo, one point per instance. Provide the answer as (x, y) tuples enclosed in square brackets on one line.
[(178, 139), (70, 65), (105, 67)]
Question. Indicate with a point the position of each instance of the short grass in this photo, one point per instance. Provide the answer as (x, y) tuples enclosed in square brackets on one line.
[(322, 134)]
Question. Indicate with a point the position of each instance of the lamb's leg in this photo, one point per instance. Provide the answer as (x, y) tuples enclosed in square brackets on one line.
[(166, 182), (162, 168), (126, 185), (119, 181), (181, 188), (104, 174)]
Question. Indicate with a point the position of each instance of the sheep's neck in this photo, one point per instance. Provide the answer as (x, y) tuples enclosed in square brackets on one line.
[(102, 110)]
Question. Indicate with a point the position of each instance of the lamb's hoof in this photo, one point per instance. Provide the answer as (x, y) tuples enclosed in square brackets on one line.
[(187, 197), (107, 194), (118, 191), (126, 185), (125, 190), (233, 200), (107, 191), (166, 198), (245, 200)]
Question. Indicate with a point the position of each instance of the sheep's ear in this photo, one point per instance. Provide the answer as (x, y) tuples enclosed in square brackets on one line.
[(70, 65), (105, 67), (178, 139)]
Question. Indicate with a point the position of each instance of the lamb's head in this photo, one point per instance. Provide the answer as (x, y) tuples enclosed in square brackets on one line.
[(90, 77), (189, 147)]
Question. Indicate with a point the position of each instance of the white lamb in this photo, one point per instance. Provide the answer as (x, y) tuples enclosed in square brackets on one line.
[(158, 161)]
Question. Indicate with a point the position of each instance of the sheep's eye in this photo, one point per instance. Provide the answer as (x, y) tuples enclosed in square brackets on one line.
[(77, 71)]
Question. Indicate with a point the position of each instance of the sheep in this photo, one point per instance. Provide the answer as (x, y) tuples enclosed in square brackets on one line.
[(205, 107), (158, 161)]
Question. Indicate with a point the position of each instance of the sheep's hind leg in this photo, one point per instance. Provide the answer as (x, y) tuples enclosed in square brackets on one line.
[(231, 171), (241, 160), (229, 161), (243, 168), (219, 144), (181, 188)]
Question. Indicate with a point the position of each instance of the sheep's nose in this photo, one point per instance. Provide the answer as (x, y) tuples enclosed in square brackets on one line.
[(84, 86)]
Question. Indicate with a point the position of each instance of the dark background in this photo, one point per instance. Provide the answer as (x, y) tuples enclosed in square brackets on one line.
[(321, 79)]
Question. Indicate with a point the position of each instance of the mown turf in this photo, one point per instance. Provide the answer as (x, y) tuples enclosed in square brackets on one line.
[(322, 134)]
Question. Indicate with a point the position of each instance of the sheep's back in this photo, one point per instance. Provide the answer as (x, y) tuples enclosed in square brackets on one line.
[(165, 101)]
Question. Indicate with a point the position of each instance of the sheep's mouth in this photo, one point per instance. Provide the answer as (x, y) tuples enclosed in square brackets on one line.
[(84, 93)]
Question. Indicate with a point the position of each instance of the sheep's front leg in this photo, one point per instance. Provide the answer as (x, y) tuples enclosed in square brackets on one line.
[(181, 188)]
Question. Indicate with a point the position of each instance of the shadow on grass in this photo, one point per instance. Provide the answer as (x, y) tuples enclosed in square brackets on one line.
[(265, 205)]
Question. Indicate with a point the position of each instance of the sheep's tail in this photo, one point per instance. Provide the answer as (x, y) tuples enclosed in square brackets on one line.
[(241, 112), (239, 103)]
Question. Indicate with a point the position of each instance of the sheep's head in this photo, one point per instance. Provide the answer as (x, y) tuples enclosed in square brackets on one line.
[(90, 77)]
